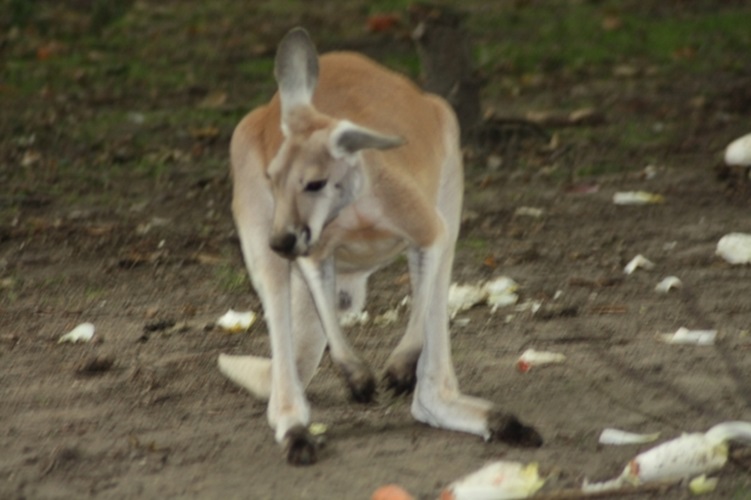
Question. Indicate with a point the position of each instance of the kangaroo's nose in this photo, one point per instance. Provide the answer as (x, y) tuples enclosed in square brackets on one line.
[(284, 244)]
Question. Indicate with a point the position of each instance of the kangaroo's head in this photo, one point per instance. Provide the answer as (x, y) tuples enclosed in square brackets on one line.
[(318, 169)]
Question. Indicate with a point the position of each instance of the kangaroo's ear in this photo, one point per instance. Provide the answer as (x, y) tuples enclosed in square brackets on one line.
[(296, 69), (348, 138)]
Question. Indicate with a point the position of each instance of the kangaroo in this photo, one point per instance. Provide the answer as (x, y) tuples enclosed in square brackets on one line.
[(348, 166)]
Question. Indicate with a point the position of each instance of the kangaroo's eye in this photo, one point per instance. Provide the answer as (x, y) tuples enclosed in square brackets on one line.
[(315, 186)]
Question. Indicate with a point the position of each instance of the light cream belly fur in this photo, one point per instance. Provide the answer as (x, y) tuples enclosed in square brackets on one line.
[(367, 249)]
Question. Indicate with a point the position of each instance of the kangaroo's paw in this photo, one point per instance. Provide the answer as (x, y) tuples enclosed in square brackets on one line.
[(507, 428), (300, 446), (250, 372), (401, 375), (360, 381)]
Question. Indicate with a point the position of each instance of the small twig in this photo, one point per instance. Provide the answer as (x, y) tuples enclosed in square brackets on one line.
[(576, 494)]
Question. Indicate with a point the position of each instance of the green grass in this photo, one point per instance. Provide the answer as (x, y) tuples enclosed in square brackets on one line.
[(232, 279), (158, 60), (563, 36), (476, 244)]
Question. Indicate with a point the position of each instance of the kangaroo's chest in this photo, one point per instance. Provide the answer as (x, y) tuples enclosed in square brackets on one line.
[(360, 240)]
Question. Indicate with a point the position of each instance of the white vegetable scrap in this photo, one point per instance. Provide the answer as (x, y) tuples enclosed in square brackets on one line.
[(352, 318), (638, 262), (667, 284), (619, 437), (496, 293), (236, 322), (692, 337), (387, 318), (637, 198), (496, 481), (501, 292), (738, 152), (530, 358), (317, 428), (249, 372), (702, 484), (529, 212), (531, 305), (464, 297), (735, 248), (681, 458), (82, 333)]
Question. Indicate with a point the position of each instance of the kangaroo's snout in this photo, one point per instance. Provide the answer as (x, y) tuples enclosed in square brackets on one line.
[(290, 244)]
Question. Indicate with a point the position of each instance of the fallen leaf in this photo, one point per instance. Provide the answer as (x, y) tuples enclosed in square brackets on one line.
[(215, 100), (379, 23)]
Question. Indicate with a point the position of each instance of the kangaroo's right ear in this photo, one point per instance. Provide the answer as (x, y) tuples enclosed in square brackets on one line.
[(296, 69)]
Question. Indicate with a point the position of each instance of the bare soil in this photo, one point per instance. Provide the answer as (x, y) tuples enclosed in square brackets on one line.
[(143, 412)]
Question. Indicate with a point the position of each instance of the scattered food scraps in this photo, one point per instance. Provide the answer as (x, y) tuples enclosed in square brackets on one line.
[(735, 248), (529, 212), (530, 358), (500, 292), (387, 318), (681, 458), (237, 322), (391, 492), (667, 284), (82, 333), (496, 293), (619, 437), (464, 297), (638, 262), (637, 198), (701, 485), (352, 318), (497, 481), (738, 152), (317, 429), (249, 372), (692, 337)]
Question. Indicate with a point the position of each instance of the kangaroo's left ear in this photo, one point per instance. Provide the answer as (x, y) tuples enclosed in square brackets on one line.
[(348, 138), (296, 69)]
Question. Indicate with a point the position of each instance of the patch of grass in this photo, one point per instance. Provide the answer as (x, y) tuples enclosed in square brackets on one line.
[(378, 6), (742, 492), (476, 244), (594, 36), (405, 63), (633, 135), (597, 169), (232, 279)]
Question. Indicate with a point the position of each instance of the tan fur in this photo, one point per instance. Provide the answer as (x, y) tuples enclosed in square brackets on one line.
[(338, 186)]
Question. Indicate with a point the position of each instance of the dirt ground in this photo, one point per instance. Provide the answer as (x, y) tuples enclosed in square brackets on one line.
[(143, 412)]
